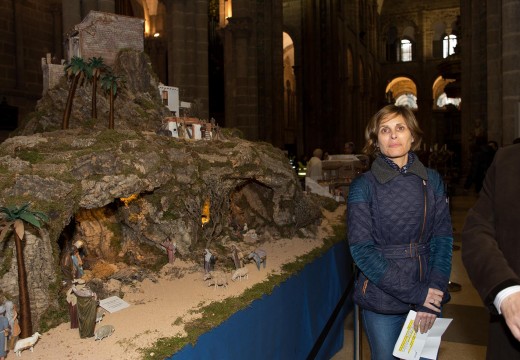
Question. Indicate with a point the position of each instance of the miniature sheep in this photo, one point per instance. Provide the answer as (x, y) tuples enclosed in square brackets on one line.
[(218, 278), (243, 272), (27, 343), (103, 332)]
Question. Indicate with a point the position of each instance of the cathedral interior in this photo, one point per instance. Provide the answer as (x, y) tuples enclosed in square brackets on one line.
[(304, 74), (301, 74)]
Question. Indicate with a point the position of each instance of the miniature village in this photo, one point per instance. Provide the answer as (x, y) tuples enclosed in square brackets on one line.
[(105, 197)]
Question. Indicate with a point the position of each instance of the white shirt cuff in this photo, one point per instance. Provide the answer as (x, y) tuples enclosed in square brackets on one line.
[(503, 294)]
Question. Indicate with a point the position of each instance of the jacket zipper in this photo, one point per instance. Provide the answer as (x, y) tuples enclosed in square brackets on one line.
[(422, 231)]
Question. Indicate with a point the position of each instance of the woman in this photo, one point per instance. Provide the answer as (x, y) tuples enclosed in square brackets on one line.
[(12, 316), (77, 263), (399, 232)]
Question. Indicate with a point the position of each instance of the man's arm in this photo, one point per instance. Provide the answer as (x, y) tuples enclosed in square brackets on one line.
[(485, 262)]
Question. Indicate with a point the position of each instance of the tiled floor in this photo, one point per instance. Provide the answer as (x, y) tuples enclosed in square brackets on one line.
[(466, 337)]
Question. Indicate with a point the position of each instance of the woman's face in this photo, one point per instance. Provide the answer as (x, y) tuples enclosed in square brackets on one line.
[(395, 139)]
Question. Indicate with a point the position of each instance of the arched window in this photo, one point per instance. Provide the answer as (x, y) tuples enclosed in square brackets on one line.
[(405, 50), (448, 46)]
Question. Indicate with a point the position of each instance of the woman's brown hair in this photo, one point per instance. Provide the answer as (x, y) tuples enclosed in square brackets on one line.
[(389, 112)]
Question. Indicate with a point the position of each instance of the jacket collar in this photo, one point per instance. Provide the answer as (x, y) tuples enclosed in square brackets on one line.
[(384, 173)]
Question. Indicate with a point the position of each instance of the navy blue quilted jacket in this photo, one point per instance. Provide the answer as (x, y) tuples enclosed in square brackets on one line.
[(400, 236)]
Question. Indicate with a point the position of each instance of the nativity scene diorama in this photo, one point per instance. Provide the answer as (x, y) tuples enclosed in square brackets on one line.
[(104, 186)]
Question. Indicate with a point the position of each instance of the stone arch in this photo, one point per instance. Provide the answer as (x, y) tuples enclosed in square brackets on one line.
[(409, 33)]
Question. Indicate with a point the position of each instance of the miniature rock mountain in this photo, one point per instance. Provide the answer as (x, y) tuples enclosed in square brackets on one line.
[(123, 192)]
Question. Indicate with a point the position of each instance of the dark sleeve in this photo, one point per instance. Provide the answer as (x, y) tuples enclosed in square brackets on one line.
[(485, 262), (441, 243)]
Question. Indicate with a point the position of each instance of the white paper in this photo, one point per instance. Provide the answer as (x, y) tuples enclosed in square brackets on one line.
[(413, 345), (113, 304)]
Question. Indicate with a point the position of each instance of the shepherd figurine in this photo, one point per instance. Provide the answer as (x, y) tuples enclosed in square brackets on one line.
[(171, 249)]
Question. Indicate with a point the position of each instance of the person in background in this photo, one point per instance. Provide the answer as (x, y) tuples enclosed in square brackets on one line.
[(490, 248), (399, 233), (493, 145), (480, 162), (349, 148), (314, 169)]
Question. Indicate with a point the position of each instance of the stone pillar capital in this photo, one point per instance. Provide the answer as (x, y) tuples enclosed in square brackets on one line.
[(240, 25)]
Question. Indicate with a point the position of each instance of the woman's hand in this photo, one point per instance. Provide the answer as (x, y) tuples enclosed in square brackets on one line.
[(433, 300), (424, 321)]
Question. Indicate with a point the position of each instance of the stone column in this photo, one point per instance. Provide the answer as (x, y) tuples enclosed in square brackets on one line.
[(19, 44), (187, 41), (106, 6), (494, 71), (510, 70), (57, 31), (71, 10), (201, 57), (240, 28), (88, 6)]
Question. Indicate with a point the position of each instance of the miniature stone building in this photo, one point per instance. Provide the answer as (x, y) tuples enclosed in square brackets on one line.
[(52, 73), (103, 35), (170, 98)]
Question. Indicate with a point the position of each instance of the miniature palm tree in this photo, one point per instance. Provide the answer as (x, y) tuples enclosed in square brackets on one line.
[(13, 218), (95, 67), (75, 70), (110, 83)]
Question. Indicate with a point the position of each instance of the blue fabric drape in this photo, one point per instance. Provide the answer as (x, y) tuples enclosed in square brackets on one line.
[(286, 323)]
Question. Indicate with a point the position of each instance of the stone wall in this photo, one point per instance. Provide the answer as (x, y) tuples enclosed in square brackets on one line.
[(104, 35), (27, 32), (52, 73), (491, 70), (187, 47)]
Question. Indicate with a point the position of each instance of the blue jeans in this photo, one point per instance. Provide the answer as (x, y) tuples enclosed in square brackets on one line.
[(382, 332)]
